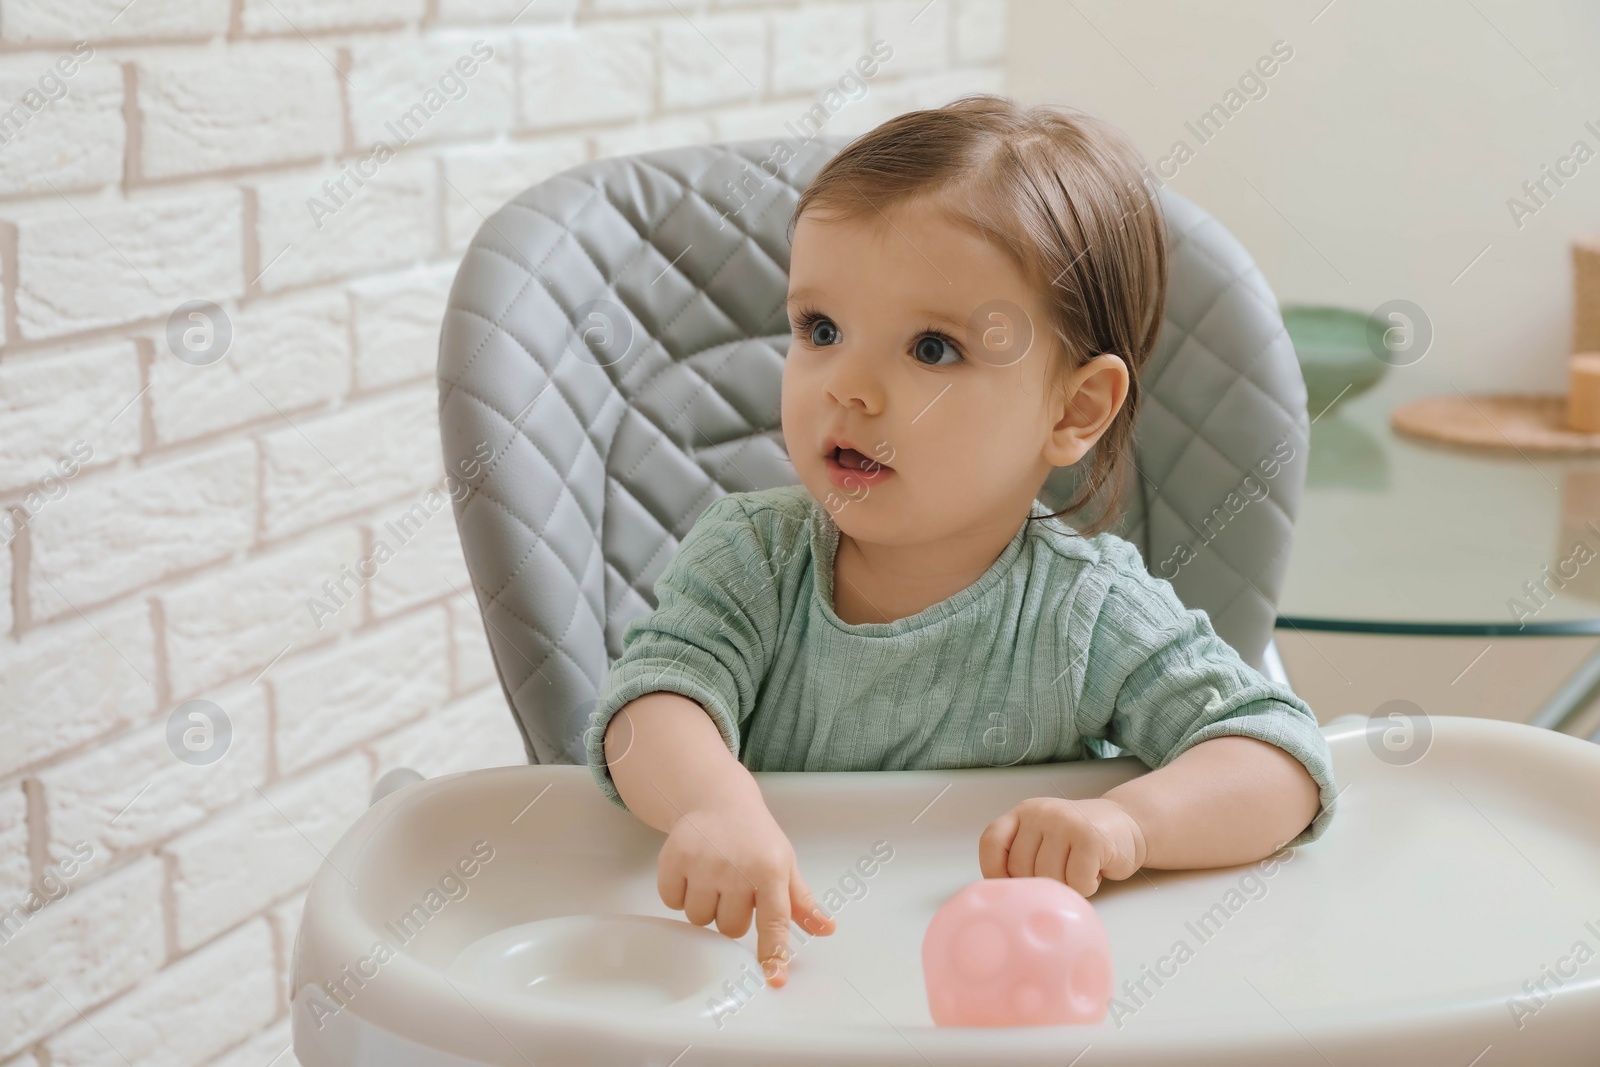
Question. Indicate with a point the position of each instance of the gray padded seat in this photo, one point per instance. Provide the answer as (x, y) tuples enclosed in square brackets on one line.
[(615, 341)]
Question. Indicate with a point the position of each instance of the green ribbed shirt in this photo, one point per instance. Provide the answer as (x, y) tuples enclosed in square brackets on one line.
[(1065, 647)]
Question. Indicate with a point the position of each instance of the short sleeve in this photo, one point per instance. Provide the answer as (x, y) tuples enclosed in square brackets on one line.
[(1163, 682), (709, 638)]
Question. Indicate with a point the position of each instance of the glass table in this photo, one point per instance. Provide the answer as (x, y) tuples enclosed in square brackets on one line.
[(1401, 536)]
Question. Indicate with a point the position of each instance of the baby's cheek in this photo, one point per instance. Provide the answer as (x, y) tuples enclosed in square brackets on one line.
[(972, 459), (793, 410)]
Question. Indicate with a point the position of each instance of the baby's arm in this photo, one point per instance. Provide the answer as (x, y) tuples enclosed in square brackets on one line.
[(1241, 766), (725, 855), (1225, 801), (665, 736), (667, 757)]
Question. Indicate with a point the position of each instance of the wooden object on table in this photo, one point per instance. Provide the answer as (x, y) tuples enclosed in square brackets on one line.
[(1512, 423), (1583, 395), (1586, 292), (1528, 422)]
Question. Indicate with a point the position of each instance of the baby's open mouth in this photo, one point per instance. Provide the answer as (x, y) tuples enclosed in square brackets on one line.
[(853, 460)]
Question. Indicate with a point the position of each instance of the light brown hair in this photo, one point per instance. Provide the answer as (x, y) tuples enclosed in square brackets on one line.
[(1065, 195)]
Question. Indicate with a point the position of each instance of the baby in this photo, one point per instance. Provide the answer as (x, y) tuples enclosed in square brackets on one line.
[(973, 290)]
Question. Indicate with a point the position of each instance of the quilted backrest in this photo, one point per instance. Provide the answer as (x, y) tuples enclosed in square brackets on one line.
[(611, 360)]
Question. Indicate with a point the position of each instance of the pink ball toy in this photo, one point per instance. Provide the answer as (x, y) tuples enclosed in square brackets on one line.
[(1017, 952)]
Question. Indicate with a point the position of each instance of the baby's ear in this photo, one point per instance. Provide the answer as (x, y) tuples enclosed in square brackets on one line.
[(1085, 403)]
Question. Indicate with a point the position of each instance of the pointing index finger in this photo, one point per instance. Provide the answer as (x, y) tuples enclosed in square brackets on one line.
[(772, 930)]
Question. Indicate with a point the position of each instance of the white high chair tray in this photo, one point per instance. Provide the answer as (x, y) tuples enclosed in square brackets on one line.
[(1448, 916)]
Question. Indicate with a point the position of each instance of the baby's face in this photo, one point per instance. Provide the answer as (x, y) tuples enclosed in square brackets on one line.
[(911, 341)]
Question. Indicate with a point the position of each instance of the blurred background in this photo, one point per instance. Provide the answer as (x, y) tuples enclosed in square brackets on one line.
[(220, 318)]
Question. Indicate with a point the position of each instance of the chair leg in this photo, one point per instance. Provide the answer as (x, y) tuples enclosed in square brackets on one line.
[(1572, 698)]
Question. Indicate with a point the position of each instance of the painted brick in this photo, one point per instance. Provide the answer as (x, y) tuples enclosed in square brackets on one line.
[(506, 12), (72, 142), (308, 233), (478, 181), (237, 864), (712, 60), (248, 106), (132, 260), (52, 401), (814, 47), (203, 1004), (657, 133), (918, 31), (285, 917), (474, 663), (859, 116), (62, 685), (475, 731), (574, 75), (235, 622), (635, 7), (289, 17), (761, 123), (351, 461), (98, 940), (358, 689), (427, 563), (134, 791), (397, 320), (6, 620), (16, 874), (272, 1047), (50, 20), (405, 91), (114, 533), (286, 355)]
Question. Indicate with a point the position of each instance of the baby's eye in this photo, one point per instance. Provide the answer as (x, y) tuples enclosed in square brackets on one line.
[(931, 348), (824, 332)]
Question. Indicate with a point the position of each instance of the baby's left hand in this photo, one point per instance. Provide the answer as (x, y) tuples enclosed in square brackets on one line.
[(1072, 841)]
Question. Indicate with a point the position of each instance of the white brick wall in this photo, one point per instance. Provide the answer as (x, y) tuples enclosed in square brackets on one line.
[(15, 871), (33, 21), (242, 861), (80, 266), (397, 321), (78, 142), (113, 535), (247, 106), (231, 622), (64, 396), (288, 354), (385, 223), (130, 793), (214, 150), (450, 85), (100, 939)]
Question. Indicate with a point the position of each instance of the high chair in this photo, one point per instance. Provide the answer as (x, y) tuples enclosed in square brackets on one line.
[(610, 364)]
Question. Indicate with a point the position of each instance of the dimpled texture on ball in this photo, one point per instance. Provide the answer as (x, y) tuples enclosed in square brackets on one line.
[(1017, 952)]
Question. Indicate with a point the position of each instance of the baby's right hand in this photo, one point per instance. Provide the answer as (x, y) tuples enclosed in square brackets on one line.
[(718, 862)]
